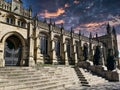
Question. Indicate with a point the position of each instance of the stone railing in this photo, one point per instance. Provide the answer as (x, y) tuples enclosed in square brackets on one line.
[(75, 35), (43, 25), (24, 12), (67, 33), (84, 38), (5, 5), (56, 29), (8, 6)]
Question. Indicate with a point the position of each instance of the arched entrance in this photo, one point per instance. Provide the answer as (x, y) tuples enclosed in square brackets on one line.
[(12, 51)]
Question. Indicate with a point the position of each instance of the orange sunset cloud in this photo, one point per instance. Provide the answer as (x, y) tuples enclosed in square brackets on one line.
[(59, 21), (67, 5), (90, 26), (76, 2), (47, 14)]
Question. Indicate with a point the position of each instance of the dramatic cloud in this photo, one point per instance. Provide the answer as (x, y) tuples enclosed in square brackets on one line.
[(85, 15), (47, 14), (67, 5), (59, 22), (76, 2)]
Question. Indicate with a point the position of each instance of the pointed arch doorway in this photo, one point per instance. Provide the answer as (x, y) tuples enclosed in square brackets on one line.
[(13, 51)]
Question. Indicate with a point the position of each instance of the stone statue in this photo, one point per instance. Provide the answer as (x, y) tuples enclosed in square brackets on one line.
[(97, 56), (111, 62), (85, 52)]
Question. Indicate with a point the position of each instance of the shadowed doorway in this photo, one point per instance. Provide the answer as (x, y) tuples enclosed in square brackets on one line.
[(12, 51)]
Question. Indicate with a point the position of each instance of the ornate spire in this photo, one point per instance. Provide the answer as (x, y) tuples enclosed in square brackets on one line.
[(79, 32), (62, 25), (114, 31), (45, 20), (30, 8), (50, 21), (96, 35), (36, 16), (71, 30), (108, 29), (90, 35), (54, 23)]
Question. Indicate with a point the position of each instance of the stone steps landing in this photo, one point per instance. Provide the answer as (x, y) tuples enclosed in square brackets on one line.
[(40, 78)]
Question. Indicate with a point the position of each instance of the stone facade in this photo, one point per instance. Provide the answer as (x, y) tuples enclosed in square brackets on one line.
[(26, 41)]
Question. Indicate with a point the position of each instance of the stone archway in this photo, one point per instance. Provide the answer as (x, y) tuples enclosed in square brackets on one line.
[(13, 51)]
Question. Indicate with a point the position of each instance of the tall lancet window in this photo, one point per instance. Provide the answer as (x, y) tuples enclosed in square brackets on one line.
[(68, 47), (77, 48), (44, 44), (57, 46)]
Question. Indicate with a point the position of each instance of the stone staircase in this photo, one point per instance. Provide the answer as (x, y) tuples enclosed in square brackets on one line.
[(87, 78), (38, 78), (91, 78), (81, 77)]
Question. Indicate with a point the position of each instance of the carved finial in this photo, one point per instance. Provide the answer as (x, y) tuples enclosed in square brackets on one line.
[(113, 30), (54, 23), (90, 35), (62, 25), (96, 35), (80, 32), (30, 8), (45, 20), (36, 16), (71, 30), (50, 21), (108, 28)]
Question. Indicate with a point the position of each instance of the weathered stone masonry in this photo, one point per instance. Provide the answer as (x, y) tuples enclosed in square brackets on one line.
[(26, 41)]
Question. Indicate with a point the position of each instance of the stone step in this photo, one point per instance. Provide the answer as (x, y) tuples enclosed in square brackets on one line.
[(92, 79), (47, 78)]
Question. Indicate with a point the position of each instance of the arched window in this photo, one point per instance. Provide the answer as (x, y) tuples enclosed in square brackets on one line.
[(77, 48), (68, 47), (57, 46), (43, 44), (10, 19), (22, 23)]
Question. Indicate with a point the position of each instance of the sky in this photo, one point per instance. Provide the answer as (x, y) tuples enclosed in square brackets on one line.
[(85, 15)]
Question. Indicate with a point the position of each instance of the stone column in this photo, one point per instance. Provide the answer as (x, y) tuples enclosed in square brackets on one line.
[(54, 58), (2, 60), (39, 57), (66, 55), (75, 54), (31, 46)]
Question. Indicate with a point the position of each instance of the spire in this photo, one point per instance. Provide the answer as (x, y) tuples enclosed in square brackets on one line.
[(45, 20), (108, 29), (54, 23), (36, 16), (50, 21), (71, 30), (96, 35), (114, 31), (79, 32), (30, 8), (62, 25), (90, 35)]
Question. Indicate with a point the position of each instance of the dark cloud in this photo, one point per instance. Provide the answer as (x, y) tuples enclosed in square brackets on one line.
[(78, 13)]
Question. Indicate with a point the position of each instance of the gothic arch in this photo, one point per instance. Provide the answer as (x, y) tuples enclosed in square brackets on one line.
[(18, 42)]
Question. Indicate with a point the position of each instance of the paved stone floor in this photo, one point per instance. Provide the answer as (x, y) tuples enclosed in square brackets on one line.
[(107, 86)]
